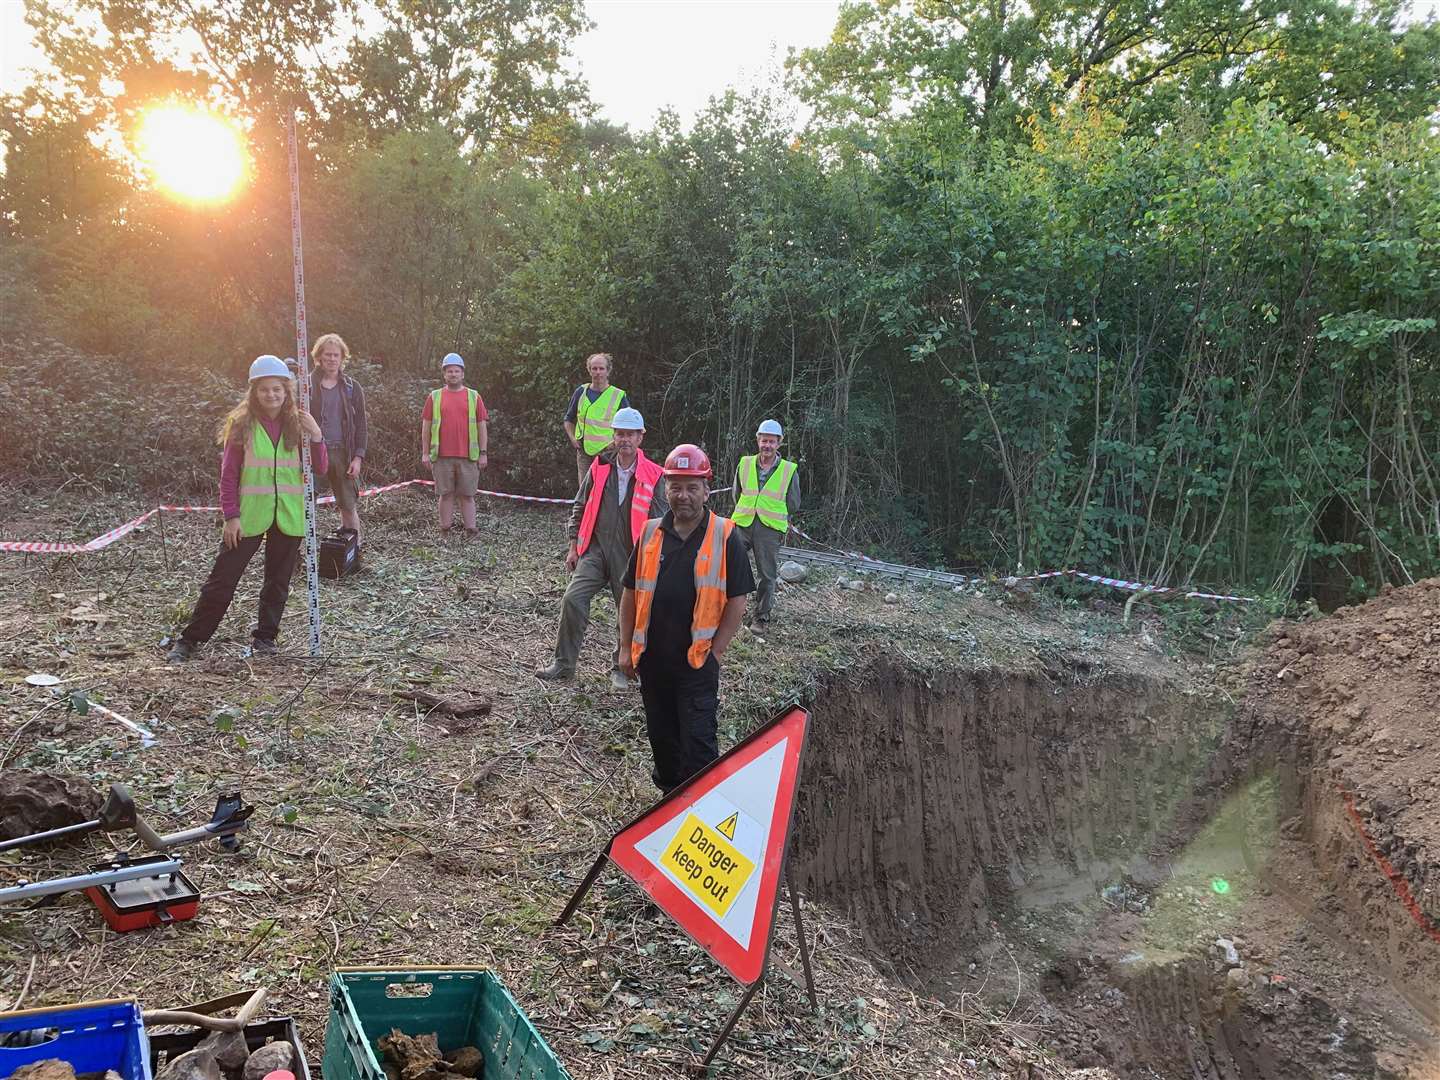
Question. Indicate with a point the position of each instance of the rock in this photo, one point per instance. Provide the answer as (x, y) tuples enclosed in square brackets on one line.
[(48, 1069), (467, 1061), (855, 585), (892, 598), (196, 1064), (32, 802), (1236, 977), (229, 1050), (793, 572), (1227, 948), (271, 1056)]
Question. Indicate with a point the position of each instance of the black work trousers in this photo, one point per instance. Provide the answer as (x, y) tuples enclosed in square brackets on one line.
[(281, 554), (680, 708)]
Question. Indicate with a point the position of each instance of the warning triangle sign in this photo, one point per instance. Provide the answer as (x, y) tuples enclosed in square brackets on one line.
[(711, 852)]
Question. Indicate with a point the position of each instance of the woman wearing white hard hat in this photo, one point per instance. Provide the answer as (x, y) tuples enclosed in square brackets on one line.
[(262, 496)]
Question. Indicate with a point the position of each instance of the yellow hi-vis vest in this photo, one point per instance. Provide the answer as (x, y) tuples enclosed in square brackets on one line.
[(710, 587), (768, 502), (272, 487), (593, 419), (470, 396)]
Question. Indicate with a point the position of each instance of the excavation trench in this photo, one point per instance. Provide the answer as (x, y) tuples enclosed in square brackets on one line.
[(1083, 856)]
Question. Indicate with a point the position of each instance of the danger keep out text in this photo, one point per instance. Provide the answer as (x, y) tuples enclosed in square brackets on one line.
[(707, 865)]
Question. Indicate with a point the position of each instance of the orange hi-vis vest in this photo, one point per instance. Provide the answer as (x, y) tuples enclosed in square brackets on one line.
[(710, 597), (647, 475)]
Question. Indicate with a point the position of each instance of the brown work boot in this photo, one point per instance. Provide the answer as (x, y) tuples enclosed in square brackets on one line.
[(555, 673)]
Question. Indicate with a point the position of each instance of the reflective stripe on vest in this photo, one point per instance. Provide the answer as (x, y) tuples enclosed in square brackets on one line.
[(769, 501), (470, 396), (593, 419), (710, 585), (272, 487), (647, 475)]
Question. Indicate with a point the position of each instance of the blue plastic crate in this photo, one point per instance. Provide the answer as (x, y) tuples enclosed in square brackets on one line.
[(92, 1036)]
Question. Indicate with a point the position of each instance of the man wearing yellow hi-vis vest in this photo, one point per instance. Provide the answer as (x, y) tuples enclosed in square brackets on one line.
[(767, 495), (454, 443), (590, 415)]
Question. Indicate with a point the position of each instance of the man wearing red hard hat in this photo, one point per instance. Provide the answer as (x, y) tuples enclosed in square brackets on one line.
[(685, 595)]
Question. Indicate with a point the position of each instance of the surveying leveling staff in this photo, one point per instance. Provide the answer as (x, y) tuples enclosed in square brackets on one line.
[(684, 598), (454, 440), (262, 494), (621, 491), (590, 415), (767, 493)]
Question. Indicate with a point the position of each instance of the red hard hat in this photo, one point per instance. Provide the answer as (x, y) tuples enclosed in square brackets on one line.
[(687, 459)]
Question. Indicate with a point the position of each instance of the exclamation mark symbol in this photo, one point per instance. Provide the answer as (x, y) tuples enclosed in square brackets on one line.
[(727, 827)]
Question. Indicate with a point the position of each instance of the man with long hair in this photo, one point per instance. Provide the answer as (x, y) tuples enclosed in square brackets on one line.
[(340, 411)]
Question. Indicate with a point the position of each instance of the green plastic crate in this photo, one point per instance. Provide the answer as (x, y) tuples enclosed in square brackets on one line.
[(462, 1006)]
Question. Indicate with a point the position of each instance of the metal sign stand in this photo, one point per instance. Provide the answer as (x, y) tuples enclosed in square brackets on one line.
[(809, 978), (302, 377)]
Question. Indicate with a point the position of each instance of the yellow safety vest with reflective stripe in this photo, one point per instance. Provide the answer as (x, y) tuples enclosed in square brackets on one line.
[(768, 502), (710, 589), (272, 487), (593, 419), (470, 396)]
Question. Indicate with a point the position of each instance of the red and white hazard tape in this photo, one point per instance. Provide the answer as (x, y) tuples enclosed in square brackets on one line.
[(1114, 583), (104, 540)]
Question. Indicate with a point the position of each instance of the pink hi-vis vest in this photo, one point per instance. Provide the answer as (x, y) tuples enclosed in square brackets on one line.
[(647, 475)]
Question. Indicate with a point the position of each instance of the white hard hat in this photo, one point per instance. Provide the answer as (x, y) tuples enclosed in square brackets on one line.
[(628, 420), (770, 427), (267, 366), (452, 358)]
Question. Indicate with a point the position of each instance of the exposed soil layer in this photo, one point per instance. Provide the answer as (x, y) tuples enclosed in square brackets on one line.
[(1141, 879)]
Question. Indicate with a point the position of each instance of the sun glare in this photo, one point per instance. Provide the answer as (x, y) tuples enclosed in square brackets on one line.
[(194, 154)]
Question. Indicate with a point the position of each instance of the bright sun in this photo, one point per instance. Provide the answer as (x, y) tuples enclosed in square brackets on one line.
[(195, 154)]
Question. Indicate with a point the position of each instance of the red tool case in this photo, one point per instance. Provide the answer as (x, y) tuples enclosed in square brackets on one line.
[(146, 901)]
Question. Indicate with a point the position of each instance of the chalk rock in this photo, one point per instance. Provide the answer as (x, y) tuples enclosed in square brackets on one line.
[(792, 571), (197, 1064), (1227, 948), (228, 1048), (892, 598), (271, 1056), (855, 585), (1236, 977)]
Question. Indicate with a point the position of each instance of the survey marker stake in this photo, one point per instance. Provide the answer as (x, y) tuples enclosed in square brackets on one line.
[(712, 853), (302, 378)]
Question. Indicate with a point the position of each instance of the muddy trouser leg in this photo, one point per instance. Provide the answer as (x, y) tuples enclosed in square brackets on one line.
[(680, 718), (219, 589), (582, 465), (589, 578), (765, 547), (281, 554)]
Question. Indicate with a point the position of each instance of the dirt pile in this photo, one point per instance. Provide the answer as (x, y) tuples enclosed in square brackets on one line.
[(1352, 703)]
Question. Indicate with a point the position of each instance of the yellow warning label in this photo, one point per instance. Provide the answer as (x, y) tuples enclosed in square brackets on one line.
[(707, 864), (727, 827)]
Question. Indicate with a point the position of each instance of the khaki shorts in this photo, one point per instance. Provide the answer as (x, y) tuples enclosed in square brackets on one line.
[(342, 487), (456, 476)]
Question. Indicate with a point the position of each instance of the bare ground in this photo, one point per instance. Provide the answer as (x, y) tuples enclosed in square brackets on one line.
[(387, 835)]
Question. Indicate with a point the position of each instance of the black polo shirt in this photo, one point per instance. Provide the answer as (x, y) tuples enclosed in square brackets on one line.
[(673, 608)]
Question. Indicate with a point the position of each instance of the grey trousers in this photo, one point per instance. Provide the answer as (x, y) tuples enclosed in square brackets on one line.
[(592, 574), (764, 544), (582, 466)]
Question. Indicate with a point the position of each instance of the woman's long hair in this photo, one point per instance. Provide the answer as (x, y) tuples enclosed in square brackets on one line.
[(240, 424)]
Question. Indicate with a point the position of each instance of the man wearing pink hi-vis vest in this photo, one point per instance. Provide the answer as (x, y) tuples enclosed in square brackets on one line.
[(621, 490)]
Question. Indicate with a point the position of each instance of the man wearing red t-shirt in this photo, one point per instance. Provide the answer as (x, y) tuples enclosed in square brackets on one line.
[(454, 435)]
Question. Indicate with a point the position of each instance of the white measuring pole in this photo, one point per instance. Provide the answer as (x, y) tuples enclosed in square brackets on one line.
[(302, 362)]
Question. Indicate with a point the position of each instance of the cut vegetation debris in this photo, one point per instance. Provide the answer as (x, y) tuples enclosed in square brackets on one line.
[(1022, 828)]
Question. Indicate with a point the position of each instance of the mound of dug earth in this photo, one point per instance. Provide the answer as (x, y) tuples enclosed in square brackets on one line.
[(1353, 701)]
